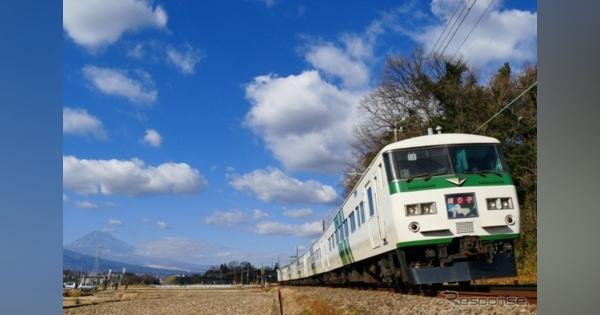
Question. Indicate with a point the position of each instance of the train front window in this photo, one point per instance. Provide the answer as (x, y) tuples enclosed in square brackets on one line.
[(478, 158), (424, 162)]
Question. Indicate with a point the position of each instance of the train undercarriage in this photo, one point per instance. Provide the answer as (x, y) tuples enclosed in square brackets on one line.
[(462, 260)]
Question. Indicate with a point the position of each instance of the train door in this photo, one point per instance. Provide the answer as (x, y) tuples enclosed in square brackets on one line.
[(373, 213), (327, 250), (327, 253)]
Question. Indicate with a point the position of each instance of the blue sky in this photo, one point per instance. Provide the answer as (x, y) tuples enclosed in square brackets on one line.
[(218, 130)]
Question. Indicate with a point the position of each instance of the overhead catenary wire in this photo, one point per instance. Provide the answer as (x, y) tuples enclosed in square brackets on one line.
[(506, 106), (465, 6), (473, 28), (458, 3), (458, 27)]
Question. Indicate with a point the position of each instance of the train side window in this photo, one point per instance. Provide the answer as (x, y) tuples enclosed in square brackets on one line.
[(370, 200), (346, 229), (361, 205), (352, 222)]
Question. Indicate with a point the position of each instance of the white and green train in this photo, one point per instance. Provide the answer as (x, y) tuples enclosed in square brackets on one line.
[(432, 209)]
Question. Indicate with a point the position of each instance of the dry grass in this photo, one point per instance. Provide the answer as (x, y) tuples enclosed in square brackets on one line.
[(334, 301), (521, 279), (312, 306), (150, 300)]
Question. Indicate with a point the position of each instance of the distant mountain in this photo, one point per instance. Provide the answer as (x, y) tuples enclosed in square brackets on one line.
[(110, 246), (115, 250), (81, 262)]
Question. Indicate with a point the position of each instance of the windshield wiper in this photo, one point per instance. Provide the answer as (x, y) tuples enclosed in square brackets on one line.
[(482, 173), (426, 177)]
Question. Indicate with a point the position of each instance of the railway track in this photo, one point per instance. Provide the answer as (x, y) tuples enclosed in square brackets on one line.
[(511, 294), (466, 294)]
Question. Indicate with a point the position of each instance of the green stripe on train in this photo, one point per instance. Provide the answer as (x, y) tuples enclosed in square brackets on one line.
[(344, 249), (347, 257), (448, 240), (471, 180)]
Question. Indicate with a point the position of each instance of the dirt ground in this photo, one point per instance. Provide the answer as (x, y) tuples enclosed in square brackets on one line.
[(249, 301), (149, 300)]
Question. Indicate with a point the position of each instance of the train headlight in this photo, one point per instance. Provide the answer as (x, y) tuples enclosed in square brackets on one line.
[(499, 203), (428, 208), (506, 203), (413, 210), (421, 208)]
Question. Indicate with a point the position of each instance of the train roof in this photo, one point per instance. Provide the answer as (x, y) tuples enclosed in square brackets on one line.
[(438, 139)]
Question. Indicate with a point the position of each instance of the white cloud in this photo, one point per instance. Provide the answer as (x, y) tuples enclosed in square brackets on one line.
[(162, 225), (66, 198), (298, 213), (129, 177), (153, 138), (259, 214), (503, 35), (225, 218), (117, 82), (136, 51), (303, 230), (337, 62), (350, 57), (86, 205), (96, 23), (273, 185), (196, 251), (305, 121), (174, 247), (77, 121), (114, 222), (184, 61)]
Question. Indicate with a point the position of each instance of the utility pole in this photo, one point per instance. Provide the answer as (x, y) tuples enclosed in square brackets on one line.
[(396, 128), (96, 261)]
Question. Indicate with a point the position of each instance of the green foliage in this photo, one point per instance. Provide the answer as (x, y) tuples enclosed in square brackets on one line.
[(231, 273), (421, 91)]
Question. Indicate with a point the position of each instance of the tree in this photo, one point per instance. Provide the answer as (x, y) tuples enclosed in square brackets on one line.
[(419, 91)]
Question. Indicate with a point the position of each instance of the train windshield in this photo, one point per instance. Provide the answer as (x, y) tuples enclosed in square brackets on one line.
[(478, 158), (422, 162), (452, 159)]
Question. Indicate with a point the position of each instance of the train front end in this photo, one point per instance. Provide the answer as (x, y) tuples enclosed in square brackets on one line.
[(455, 210)]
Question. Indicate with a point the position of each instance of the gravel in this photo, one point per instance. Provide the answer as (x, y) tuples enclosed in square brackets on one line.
[(317, 300)]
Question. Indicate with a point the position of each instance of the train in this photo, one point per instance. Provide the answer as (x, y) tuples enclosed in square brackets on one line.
[(433, 209)]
